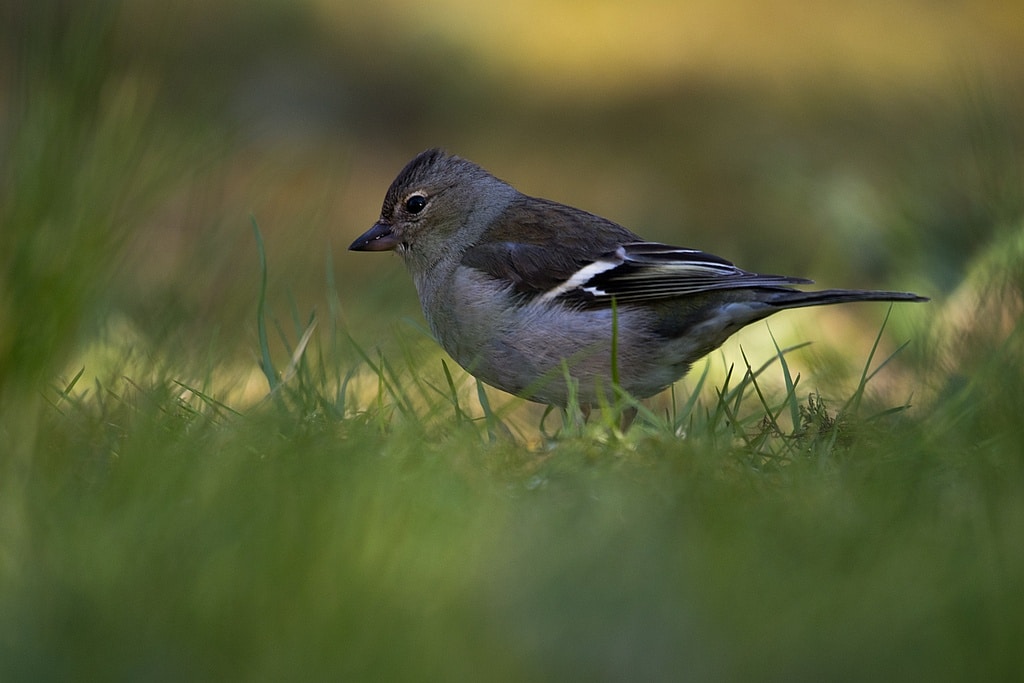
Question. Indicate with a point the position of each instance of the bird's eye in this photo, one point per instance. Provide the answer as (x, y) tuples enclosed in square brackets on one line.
[(415, 203)]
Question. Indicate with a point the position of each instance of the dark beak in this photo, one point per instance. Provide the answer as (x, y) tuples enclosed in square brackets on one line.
[(380, 237)]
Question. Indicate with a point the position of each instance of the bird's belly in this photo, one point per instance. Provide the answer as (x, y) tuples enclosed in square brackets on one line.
[(536, 351)]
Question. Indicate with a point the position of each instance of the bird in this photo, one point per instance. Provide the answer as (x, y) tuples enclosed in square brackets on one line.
[(547, 302)]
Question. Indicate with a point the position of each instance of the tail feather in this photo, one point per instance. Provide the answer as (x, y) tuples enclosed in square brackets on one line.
[(794, 299)]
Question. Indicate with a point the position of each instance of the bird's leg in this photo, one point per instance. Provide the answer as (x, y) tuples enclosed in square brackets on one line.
[(574, 417), (626, 418)]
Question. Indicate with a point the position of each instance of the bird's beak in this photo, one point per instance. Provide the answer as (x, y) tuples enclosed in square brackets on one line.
[(381, 237)]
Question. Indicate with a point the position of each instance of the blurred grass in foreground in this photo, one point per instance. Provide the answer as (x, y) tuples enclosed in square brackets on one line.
[(163, 534), (370, 520)]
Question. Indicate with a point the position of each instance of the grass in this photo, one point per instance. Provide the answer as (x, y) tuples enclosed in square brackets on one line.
[(400, 533), (344, 503), (162, 534)]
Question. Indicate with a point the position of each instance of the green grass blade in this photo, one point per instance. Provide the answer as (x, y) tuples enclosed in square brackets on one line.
[(853, 404), (266, 362), (760, 395), (691, 400), (383, 385), (791, 399), (490, 419), (63, 395), (207, 399), (453, 393)]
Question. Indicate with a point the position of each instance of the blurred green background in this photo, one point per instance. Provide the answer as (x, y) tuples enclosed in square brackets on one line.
[(865, 145), (149, 531)]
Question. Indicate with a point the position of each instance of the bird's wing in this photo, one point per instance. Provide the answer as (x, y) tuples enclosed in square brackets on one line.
[(553, 252), (644, 271)]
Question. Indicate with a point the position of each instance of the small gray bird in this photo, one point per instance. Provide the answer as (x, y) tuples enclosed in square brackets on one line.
[(518, 289)]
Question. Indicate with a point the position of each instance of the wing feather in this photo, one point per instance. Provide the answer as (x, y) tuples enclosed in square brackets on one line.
[(549, 251)]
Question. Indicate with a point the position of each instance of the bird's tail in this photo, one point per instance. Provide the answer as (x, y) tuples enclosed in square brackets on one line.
[(794, 299)]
